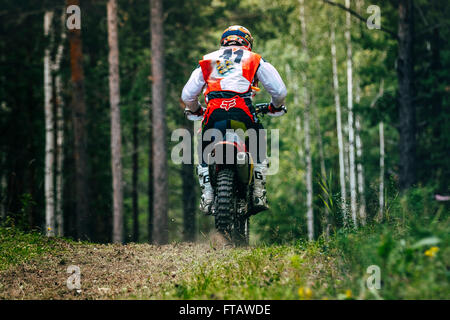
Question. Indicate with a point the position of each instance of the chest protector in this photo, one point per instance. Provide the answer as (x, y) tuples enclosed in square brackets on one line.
[(229, 69)]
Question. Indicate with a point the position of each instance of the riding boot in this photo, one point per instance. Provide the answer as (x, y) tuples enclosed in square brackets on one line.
[(207, 190), (259, 187)]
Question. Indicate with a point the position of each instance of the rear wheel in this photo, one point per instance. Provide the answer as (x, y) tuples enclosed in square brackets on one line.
[(226, 202), (228, 222)]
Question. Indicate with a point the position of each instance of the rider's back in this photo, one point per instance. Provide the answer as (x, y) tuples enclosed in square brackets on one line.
[(226, 77), (229, 69)]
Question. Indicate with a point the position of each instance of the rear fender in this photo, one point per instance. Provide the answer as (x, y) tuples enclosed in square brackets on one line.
[(243, 167), (231, 153)]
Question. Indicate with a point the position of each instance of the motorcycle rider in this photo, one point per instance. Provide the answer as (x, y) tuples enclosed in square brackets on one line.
[(227, 77)]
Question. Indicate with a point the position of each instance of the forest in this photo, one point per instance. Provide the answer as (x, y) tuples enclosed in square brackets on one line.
[(90, 96)]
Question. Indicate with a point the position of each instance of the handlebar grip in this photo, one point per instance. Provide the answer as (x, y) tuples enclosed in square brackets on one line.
[(262, 108)]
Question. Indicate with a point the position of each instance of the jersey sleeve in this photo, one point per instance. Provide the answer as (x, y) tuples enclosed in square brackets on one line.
[(192, 89), (272, 82)]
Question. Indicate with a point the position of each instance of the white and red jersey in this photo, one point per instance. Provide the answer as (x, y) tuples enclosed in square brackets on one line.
[(232, 69), (229, 69)]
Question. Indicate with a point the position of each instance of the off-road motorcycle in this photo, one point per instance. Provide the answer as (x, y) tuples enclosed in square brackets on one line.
[(232, 182)]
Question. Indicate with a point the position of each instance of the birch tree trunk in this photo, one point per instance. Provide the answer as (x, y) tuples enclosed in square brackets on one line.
[(116, 140), (346, 155), (359, 146), (59, 130), (160, 183), (351, 133), (359, 165), (337, 102), (78, 106), (360, 172), (49, 131), (381, 134), (309, 173)]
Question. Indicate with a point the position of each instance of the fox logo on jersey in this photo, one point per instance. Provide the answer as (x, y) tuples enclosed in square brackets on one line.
[(227, 104)]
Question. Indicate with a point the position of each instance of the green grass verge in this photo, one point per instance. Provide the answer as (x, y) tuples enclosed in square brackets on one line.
[(17, 246), (265, 272), (410, 249)]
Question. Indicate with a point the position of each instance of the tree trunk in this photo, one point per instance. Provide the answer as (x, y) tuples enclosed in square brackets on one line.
[(150, 179), (337, 102), (49, 131), (346, 157), (407, 113), (80, 132), (116, 140), (135, 160), (309, 173), (309, 186), (359, 145), (359, 164), (160, 179), (189, 196), (189, 201), (360, 172), (381, 133), (59, 130), (351, 133), (436, 98)]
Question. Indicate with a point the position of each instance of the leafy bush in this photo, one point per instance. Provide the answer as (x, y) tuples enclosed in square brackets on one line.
[(410, 247)]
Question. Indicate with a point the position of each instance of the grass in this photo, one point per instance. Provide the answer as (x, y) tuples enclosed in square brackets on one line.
[(264, 272), (18, 247), (410, 249)]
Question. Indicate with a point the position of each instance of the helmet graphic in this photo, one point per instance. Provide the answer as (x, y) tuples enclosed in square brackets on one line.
[(237, 36)]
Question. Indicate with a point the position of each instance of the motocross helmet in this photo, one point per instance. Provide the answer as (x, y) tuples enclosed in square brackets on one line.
[(237, 36)]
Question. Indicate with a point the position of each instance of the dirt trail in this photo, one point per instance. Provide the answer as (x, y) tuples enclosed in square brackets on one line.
[(107, 271)]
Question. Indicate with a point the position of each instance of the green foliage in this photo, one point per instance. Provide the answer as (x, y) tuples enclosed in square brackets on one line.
[(411, 248)]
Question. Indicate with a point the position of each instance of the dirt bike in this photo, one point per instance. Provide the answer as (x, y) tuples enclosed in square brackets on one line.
[(232, 182)]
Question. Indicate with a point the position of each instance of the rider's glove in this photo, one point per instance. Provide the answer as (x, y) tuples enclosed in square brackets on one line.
[(276, 112), (195, 115)]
